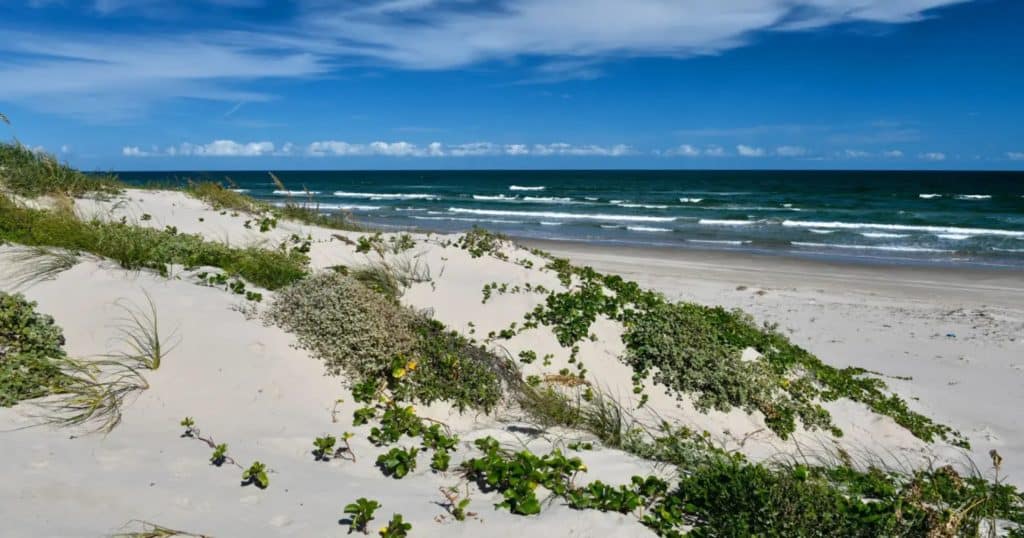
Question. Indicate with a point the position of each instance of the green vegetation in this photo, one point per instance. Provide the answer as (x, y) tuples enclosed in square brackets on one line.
[(31, 352), (398, 462), (146, 248), (697, 351), (354, 332), (479, 242), (256, 474), (222, 198), (396, 528), (517, 475), (360, 513), (29, 173)]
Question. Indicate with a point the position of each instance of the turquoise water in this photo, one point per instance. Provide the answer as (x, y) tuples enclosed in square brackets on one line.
[(930, 217)]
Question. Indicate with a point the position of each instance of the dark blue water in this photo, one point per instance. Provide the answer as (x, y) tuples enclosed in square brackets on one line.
[(946, 217)]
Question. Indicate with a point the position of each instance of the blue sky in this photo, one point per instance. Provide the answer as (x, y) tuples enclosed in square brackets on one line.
[(357, 84)]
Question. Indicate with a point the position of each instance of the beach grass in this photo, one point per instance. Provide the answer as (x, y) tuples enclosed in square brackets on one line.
[(135, 247), (30, 173)]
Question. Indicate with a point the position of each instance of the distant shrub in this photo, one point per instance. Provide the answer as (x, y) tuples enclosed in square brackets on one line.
[(31, 347)]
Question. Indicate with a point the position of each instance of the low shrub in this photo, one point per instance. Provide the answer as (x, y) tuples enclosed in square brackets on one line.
[(344, 324), (31, 352), (355, 332)]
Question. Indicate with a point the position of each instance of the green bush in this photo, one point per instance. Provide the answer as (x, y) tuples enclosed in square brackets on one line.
[(31, 350), (358, 333), (345, 324)]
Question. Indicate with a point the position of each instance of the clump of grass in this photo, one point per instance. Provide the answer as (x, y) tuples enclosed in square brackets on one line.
[(30, 173), (145, 248), (220, 197), (139, 332), (29, 265), (94, 395), (308, 211)]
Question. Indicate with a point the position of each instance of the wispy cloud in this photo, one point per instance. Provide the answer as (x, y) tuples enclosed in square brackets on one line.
[(933, 156), (1015, 155), (122, 73), (790, 151)]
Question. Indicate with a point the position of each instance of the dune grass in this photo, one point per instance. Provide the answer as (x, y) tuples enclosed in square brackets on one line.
[(31, 174), (136, 247)]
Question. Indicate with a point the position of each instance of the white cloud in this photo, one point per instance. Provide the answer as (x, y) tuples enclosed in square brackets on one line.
[(227, 148), (750, 151), (339, 148), (1015, 155), (855, 154), (684, 150), (933, 156), (217, 148), (892, 154), (790, 151)]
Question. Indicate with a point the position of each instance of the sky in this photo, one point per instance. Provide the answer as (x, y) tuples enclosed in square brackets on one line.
[(516, 84)]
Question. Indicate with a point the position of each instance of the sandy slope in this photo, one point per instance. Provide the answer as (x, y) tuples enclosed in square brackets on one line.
[(247, 387)]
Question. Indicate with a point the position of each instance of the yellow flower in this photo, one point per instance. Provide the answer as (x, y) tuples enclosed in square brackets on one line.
[(398, 373), (411, 366), (382, 531)]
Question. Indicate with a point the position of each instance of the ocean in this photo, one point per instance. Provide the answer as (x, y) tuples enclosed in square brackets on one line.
[(960, 218)]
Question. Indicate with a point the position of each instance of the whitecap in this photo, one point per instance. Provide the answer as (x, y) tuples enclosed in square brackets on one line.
[(887, 235), (384, 196), (717, 242), (647, 229), (691, 200), (522, 188), (724, 222), (887, 248), (296, 193), (901, 227), (929, 196), (559, 215), (973, 196)]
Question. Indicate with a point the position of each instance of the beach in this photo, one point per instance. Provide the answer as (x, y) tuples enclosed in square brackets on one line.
[(947, 340)]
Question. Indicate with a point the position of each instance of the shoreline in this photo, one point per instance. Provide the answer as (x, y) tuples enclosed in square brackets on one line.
[(972, 284)]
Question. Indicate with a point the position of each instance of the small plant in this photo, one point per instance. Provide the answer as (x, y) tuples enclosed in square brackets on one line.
[(219, 454), (256, 474), (323, 447), (398, 462), (189, 424), (396, 528), (146, 216), (455, 506), (360, 513)]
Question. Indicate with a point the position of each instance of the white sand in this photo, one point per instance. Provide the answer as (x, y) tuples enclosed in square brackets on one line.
[(246, 386)]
